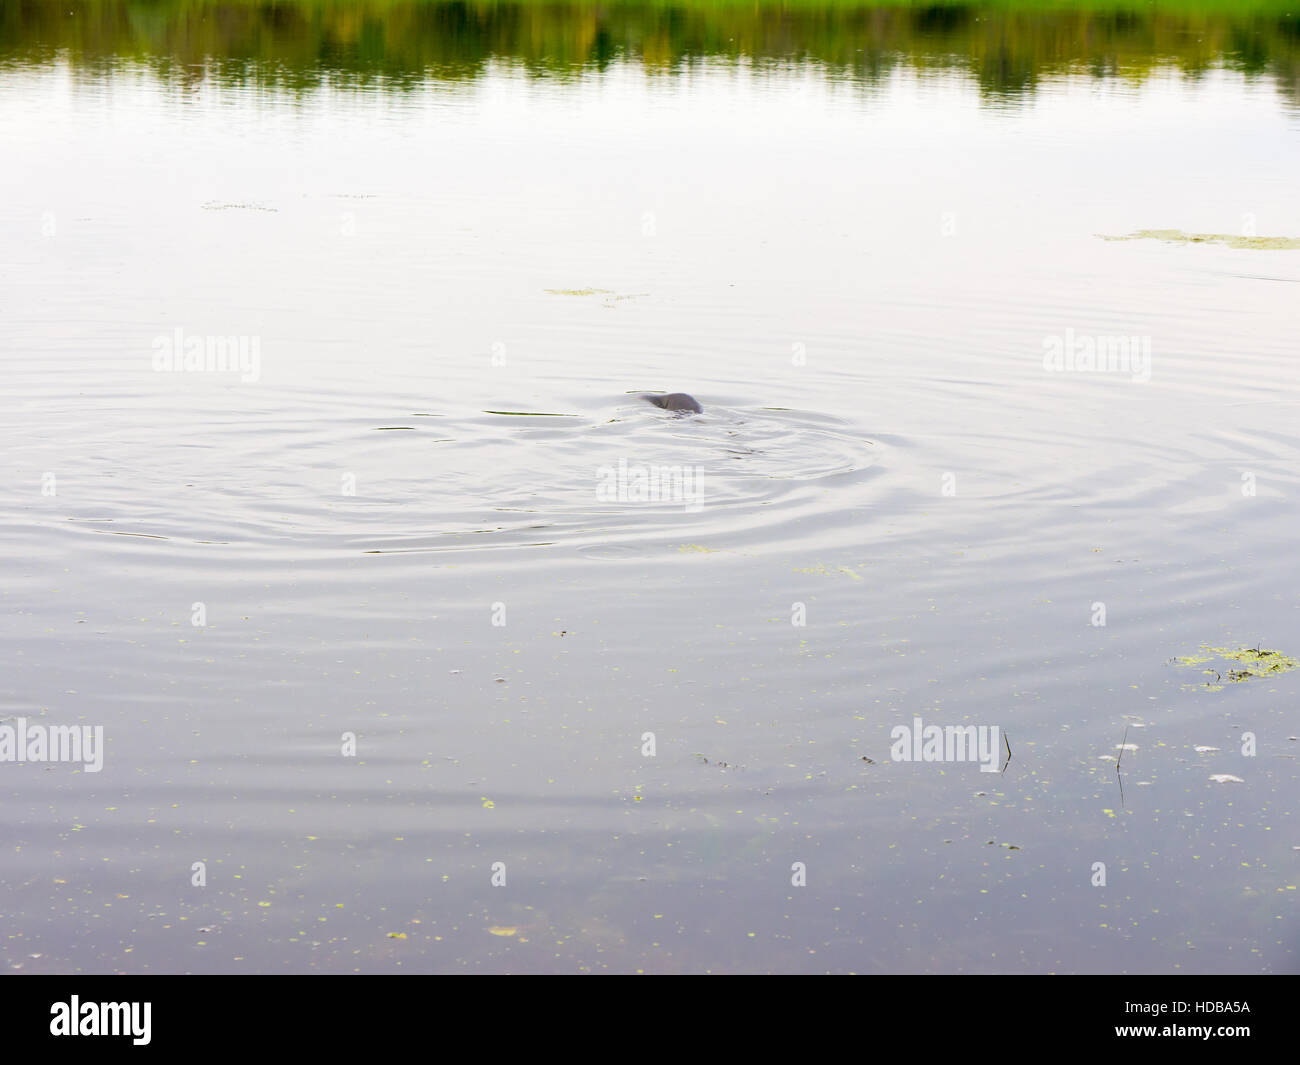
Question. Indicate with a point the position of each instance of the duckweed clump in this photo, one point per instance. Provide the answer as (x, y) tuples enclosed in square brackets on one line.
[(1231, 240), (1255, 662)]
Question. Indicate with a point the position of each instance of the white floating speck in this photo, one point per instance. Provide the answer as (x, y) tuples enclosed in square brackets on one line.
[(1226, 778), (1204, 750)]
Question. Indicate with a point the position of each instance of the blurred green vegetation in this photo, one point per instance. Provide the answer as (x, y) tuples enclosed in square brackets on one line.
[(1007, 46)]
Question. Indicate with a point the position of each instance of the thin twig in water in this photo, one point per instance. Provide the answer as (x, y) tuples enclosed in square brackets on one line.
[(1118, 776)]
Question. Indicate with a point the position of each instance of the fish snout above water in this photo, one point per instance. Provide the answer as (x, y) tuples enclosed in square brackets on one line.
[(674, 401)]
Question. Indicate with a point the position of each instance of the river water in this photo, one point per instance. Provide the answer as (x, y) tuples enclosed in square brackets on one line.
[(410, 520)]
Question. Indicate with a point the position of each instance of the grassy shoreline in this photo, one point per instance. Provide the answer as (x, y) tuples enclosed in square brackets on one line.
[(1008, 46), (1282, 8)]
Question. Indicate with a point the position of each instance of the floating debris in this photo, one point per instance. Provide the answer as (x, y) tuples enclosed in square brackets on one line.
[(1204, 750), (1226, 778), (214, 205), (823, 570), (1262, 662), (1231, 240)]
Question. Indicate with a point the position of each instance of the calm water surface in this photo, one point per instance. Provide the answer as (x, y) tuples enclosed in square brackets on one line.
[(457, 271)]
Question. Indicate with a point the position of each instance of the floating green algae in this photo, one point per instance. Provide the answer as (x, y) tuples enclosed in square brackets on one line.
[(822, 570), (1231, 240), (1255, 662)]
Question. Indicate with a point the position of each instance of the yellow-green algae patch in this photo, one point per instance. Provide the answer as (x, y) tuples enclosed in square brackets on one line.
[(579, 291), (822, 570), (1255, 662), (1231, 240)]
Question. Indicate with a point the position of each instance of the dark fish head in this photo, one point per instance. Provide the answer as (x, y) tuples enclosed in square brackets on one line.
[(675, 401)]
